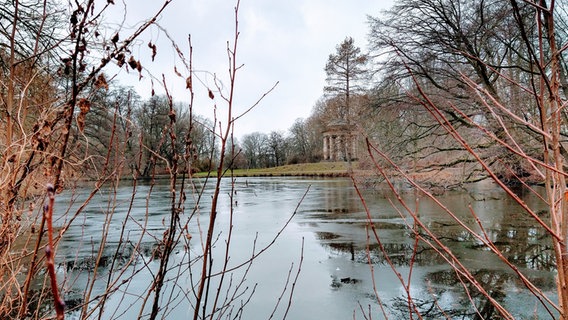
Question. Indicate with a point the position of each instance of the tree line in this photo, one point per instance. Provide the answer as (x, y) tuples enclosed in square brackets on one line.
[(139, 124), (440, 46)]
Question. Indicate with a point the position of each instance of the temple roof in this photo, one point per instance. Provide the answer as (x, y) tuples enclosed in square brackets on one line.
[(339, 125)]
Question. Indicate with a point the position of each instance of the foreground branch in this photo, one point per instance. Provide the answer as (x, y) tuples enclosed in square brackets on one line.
[(49, 253)]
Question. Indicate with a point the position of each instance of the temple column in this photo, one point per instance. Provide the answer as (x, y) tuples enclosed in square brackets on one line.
[(337, 148), (333, 153), (324, 147), (327, 147)]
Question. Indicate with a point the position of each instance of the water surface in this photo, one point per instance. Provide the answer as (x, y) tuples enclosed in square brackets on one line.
[(340, 267)]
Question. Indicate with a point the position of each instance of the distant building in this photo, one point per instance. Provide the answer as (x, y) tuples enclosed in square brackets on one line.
[(339, 142)]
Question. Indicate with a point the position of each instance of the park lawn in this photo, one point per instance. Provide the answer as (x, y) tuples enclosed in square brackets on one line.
[(324, 169)]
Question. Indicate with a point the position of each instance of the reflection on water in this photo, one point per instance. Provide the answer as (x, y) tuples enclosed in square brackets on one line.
[(336, 280)]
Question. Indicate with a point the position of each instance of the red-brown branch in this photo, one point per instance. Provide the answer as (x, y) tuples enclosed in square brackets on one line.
[(58, 302)]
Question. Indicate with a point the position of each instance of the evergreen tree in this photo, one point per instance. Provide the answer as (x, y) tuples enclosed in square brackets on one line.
[(345, 71)]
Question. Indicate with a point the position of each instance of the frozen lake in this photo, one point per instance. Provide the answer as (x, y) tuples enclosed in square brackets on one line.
[(325, 245)]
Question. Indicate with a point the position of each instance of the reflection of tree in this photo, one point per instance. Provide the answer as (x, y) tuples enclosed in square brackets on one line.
[(338, 200), (428, 309), (399, 253), (521, 241), (472, 305), (341, 226)]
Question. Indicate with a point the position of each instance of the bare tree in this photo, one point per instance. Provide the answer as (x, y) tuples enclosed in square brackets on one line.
[(45, 98), (305, 140), (473, 73), (63, 117), (278, 148), (480, 40), (152, 119), (255, 149)]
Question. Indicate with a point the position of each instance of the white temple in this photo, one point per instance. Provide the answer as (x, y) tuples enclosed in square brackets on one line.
[(339, 142)]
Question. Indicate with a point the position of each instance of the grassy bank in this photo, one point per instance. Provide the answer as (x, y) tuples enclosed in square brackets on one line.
[(320, 169)]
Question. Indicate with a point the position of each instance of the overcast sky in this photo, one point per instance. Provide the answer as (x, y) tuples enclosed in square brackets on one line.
[(285, 41)]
